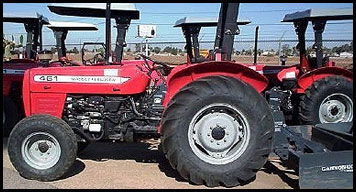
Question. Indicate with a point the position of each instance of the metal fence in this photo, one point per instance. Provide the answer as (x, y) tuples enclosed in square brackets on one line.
[(339, 51)]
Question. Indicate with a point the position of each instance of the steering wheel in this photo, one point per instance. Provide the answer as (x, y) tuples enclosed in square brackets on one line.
[(99, 57), (163, 67), (67, 62)]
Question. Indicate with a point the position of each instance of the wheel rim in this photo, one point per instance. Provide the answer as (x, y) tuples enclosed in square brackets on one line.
[(336, 108), (219, 134), (41, 150)]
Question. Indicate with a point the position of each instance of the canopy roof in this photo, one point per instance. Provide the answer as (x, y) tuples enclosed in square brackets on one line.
[(319, 14), (25, 18), (73, 26), (95, 9)]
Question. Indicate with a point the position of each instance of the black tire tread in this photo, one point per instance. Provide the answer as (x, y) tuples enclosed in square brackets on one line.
[(305, 110), (171, 120), (66, 130)]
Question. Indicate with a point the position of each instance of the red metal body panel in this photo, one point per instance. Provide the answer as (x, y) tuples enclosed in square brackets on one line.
[(26, 93), (136, 84), (49, 103), (13, 71), (184, 74), (291, 72), (57, 82), (307, 79), (271, 72)]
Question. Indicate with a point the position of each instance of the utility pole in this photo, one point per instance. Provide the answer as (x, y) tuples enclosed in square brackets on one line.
[(279, 48), (256, 39), (146, 47), (108, 58)]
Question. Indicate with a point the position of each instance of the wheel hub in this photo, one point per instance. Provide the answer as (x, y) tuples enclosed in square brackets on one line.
[(41, 150), (218, 132), (217, 135), (336, 108), (43, 147)]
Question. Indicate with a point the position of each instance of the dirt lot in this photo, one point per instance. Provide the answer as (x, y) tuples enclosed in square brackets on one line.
[(135, 165)]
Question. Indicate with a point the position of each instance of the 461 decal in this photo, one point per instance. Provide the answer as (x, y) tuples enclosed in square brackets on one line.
[(46, 78)]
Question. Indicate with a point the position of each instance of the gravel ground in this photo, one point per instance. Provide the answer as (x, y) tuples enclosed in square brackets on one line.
[(132, 166)]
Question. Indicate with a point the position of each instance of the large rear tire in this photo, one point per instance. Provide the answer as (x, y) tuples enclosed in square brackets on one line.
[(328, 100), (42, 147), (10, 115), (217, 131)]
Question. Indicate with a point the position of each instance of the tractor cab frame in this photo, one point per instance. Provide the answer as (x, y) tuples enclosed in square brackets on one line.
[(191, 27), (123, 13), (61, 29), (318, 18), (33, 25)]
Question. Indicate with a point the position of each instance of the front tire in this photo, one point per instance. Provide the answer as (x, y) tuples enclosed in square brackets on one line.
[(217, 131), (42, 147), (328, 100)]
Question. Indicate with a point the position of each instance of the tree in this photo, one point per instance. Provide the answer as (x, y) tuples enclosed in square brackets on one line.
[(352, 45), (101, 50), (137, 47), (294, 51), (286, 50), (157, 50), (21, 40), (74, 50), (343, 48), (174, 51), (248, 52), (53, 49), (167, 49)]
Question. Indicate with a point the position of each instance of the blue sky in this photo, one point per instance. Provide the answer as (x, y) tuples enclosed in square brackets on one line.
[(162, 13)]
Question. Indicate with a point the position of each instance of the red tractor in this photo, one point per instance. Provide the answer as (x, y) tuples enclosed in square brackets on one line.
[(316, 90), (13, 70), (215, 126), (319, 91)]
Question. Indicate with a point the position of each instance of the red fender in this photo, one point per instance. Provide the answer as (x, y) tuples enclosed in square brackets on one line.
[(184, 74), (309, 78)]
